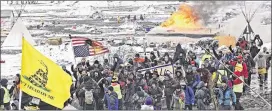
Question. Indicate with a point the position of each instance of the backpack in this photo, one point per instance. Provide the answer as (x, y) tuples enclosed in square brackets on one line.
[(89, 98)]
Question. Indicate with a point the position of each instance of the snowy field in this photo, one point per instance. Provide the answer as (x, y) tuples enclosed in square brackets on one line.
[(69, 14)]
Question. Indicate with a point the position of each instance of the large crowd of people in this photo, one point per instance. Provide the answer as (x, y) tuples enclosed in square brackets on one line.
[(217, 77)]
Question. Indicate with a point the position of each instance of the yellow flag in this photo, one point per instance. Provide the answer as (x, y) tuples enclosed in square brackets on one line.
[(42, 78)]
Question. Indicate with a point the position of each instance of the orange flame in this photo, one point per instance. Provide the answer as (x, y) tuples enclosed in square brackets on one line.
[(183, 19)]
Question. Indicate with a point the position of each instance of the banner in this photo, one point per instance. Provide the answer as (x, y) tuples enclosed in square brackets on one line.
[(162, 69), (42, 78)]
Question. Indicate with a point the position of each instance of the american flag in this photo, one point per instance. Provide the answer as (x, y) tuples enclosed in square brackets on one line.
[(84, 47)]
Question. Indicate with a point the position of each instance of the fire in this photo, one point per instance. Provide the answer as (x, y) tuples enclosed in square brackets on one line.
[(183, 19)]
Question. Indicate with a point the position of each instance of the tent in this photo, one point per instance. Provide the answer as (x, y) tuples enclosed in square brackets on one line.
[(248, 25), (14, 38)]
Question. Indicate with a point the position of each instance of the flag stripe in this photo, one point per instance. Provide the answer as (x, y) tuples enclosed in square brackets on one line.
[(81, 50)]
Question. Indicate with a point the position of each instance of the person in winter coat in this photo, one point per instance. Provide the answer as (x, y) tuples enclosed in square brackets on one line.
[(156, 93), (178, 99), (96, 75), (5, 95), (242, 43), (219, 55), (201, 96), (138, 60), (240, 71), (170, 86), (134, 18), (261, 62), (250, 65), (97, 67), (179, 76), (259, 40), (167, 59), (76, 73), (100, 101), (139, 98), (87, 94), (106, 64), (141, 82), (228, 99), (228, 56), (152, 56), (117, 88), (190, 76), (112, 99), (64, 68), (14, 91), (130, 91), (117, 63), (207, 55), (196, 79), (155, 78), (179, 55), (218, 75), (204, 74), (83, 64), (189, 97), (268, 63), (148, 104), (254, 50), (81, 77)]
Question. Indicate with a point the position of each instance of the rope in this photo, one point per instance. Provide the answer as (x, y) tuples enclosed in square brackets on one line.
[(238, 78)]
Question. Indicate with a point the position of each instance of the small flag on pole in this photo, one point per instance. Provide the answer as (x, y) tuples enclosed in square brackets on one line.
[(84, 47)]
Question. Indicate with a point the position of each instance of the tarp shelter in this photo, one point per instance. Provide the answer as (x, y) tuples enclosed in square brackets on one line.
[(225, 40), (14, 38)]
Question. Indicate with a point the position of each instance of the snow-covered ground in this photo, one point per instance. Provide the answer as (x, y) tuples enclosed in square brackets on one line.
[(154, 13)]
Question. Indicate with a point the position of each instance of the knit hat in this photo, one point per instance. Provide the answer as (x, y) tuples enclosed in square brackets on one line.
[(96, 62), (4, 82), (193, 62), (18, 75), (148, 101), (110, 88)]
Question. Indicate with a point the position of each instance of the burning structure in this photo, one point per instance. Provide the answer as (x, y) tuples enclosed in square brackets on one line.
[(182, 23)]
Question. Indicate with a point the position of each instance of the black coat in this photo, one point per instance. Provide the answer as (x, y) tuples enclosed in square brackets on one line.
[(254, 51)]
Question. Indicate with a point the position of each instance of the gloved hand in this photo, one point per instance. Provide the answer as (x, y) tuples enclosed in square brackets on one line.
[(233, 104)]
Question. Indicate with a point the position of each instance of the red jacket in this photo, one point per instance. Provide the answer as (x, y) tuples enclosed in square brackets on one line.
[(243, 44), (244, 72)]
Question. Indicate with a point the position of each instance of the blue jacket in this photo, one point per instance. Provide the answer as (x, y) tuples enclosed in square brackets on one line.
[(228, 57), (227, 95), (189, 95), (197, 80), (112, 101)]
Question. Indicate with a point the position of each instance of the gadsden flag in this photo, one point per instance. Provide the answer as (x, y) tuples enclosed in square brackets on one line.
[(42, 78)]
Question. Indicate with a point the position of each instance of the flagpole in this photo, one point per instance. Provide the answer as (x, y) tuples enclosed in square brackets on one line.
[(20, 90), (20, 100), (71, 44)]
